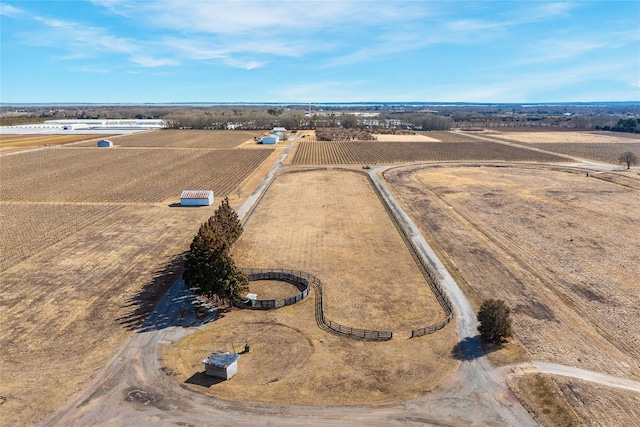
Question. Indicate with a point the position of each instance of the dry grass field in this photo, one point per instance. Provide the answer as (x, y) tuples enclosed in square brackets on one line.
[(537, 237), (599, 146), (115, 175), (170, 138), (331, 224), (90, 239), (603, 152), (567, 137), (380, 152), (9, 143), (404, 138)]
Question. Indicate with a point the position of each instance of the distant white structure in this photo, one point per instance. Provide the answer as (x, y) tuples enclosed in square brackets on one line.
[(279, 131), (221, 364), (271, 139), (85, 126), (105, 143), (196, 198)]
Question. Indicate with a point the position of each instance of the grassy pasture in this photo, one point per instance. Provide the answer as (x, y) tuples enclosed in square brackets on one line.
[(379, 152)]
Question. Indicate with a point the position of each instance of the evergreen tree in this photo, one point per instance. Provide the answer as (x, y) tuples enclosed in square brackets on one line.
[(209, 268), (228, 219), (495, 321)]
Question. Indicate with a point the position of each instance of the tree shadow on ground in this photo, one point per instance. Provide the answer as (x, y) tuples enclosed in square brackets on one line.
[(468, 349), (201, 379), (165, 301)]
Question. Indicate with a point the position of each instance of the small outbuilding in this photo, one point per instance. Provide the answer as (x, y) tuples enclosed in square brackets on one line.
[(271, 139), (105, 143), (196, 198), (221, 364)]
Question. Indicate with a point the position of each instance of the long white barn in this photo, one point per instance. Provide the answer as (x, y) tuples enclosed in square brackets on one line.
[(196, 198)]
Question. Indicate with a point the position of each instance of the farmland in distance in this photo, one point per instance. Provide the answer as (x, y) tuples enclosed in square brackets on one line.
[(379, 152)]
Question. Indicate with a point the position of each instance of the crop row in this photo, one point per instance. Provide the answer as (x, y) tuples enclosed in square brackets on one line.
[(445, 136), (377, 152), (112, 175), (28, 228), (184, 139), (603, 152)]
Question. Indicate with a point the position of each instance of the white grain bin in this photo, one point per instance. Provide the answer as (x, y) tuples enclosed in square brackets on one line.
[(196, 198), (221, 364)]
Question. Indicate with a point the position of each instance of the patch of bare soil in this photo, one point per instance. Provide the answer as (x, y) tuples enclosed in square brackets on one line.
[(272, 289)]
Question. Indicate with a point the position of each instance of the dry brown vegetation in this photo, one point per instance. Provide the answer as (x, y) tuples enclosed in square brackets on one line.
[(380, 152), (89, 242), (542, 398), (602, 152), (330, 224), (340, 134), (536, 237), (117, 175), (10, 143), (169, 138)]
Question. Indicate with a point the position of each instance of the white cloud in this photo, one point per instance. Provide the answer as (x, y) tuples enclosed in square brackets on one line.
[(10, 11), (150, 62)]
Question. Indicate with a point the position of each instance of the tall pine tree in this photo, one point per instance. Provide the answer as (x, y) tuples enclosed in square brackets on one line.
[(209, 268)]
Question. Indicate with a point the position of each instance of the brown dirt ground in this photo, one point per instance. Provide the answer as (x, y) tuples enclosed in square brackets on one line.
[(10, 143), (330, 224), (272, 289), (72, 302), (536, 237), (565, 137)]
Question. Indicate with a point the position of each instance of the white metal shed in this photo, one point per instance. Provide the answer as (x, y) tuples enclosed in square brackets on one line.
[(196, 198), (221, 364)]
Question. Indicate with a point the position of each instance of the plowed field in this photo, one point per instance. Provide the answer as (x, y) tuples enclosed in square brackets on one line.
[(168, 138), (379, 152), (112, 175)]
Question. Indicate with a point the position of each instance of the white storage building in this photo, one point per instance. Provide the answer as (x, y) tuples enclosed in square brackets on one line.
[(221, 364), (196, 198)]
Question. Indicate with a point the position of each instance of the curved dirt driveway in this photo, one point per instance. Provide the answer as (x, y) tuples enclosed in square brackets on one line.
[(133, 389)]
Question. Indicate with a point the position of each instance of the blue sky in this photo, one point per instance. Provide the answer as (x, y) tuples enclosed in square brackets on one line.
[(121, 51)]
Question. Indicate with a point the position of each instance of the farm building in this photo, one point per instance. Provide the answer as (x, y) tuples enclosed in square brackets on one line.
[(279, 131), (271, 139), (196, 198), (105, 143), (221, 364)]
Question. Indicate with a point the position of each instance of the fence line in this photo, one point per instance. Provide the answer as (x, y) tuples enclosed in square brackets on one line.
[(424, 267), (303, 281)]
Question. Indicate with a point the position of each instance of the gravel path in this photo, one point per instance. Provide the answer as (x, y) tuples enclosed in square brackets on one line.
[(134, 390)]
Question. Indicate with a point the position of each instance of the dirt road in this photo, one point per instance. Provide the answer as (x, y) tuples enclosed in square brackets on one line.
[(134, 390)]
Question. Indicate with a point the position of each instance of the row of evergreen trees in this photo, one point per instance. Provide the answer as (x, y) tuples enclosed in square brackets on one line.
[(208, 267)]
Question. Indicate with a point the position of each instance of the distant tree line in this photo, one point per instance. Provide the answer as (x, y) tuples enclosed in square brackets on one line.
[(613, 116), (208, 267)]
